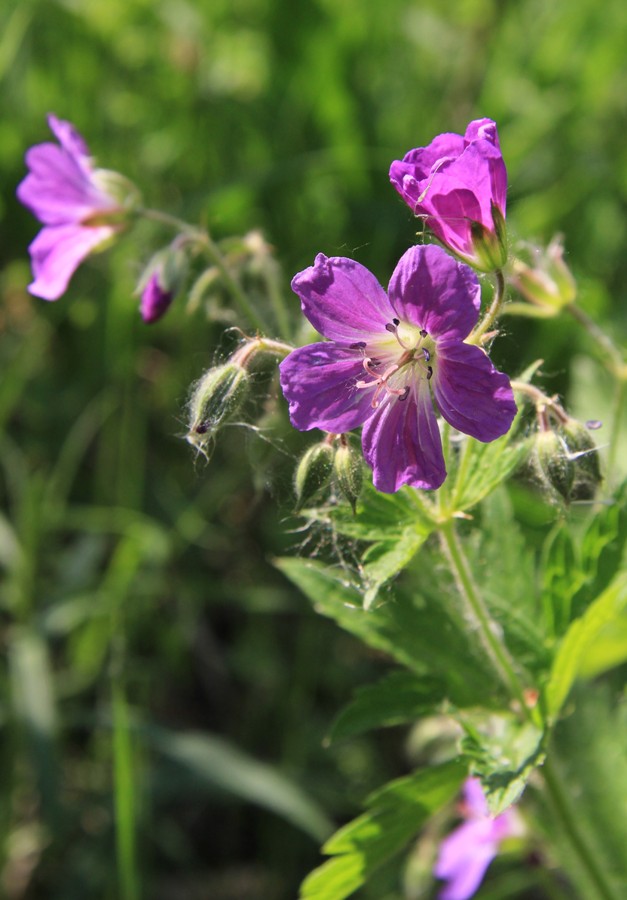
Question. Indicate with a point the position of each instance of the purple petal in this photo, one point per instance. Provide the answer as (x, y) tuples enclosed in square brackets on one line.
[(475, 803), (471, 394), (483, 129), (421, 161), (401, 442), (319, 384), (155, 300), (433, 291), (342, 299), (57, 190), (463, 859), (56, 253), (69, 138)]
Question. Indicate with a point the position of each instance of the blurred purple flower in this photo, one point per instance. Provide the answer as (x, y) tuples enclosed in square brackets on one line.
[(389, 358), (155, 299), (459, 186), (66, 193), (468, 851)]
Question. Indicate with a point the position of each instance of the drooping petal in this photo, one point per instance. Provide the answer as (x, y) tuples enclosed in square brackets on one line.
[(471, 394), (475, 803), (401, 442), (57, 190), (319, 384), (463, 859), (56, 253), (342, 299), (433, 291)]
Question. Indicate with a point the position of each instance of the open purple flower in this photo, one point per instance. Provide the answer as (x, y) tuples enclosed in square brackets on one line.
[(67, 194), (468, 851), (459, 186), (390, 358)]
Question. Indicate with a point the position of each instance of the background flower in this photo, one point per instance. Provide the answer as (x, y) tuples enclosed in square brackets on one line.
[(63, 190)]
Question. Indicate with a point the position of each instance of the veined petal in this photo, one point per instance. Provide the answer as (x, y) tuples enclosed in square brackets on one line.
[(401, 442), (56, 253), (342, 299), (70, 140), (471, 394), (433, 291), (319, 384), (423, 160), (480, 169)]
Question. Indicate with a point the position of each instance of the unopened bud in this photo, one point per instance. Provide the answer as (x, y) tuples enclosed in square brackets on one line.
[(348, 470), (552, 463), (162, 280), (313, 472), (545, 281), (585, 459), (218, 396)]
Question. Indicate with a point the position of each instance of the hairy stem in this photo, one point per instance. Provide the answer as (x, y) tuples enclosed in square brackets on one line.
[(493, 311), (613, 360)]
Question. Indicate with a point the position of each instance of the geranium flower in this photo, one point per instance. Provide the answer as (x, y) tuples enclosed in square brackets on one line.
[(390, 358), (468, 851), (76, 204), (459, 186)]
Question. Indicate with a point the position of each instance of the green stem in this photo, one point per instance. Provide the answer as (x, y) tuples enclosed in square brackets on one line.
[(568, 817), (493, 312), (615, 364), (619, 405), (213, 253), (477, 615)]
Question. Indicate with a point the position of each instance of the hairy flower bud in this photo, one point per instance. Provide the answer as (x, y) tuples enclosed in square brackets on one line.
[(552, 463), (348, 471), (313, 472), (545, 280), (585, 459), (218, 396)]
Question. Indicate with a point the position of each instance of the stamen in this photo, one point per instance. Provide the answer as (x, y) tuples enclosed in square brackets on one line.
[(404, 395), (360, 345), (396, 322), (429, 373), (427, 354), (423, 333), (391, 328)]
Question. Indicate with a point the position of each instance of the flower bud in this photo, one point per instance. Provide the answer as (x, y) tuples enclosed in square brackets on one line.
[(348, 471), (162, 280), (552, 463), (313, 472), (585, 459), (218, 396), (545, 281)]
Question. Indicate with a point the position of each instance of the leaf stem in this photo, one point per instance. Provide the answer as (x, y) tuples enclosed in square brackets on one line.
[(478, 616), (615, 364), (202, 237), (493, 311)]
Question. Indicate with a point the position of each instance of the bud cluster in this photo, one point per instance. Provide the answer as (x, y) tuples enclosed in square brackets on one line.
[(543, 279), (565, 461), (331, 459)]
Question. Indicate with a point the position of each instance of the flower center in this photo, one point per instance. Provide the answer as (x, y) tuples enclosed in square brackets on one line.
[(417, 357)]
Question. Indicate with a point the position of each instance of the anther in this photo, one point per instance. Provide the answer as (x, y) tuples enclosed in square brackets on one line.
[(396, 322), (423, 333), (360, 345), (427, 354), (391, 328), (404, 395), (429, 373)]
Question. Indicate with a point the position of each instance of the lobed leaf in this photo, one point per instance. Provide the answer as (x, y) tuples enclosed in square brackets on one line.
[(395, 814)]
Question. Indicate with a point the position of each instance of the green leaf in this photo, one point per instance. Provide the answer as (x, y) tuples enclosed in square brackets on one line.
[(219, 764), (415, 633), (399, 697), (482, 467), (395, 814), (383, 561), (505, 751), (379, 517), (562, 577), (600, 619)]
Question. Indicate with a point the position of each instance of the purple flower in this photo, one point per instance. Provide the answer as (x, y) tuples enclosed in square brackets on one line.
[(459, 186), (63, 190), (468, 851), (155, 299), (390, 357)]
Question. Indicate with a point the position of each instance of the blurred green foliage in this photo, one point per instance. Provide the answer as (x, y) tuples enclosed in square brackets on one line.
[(127, 563)]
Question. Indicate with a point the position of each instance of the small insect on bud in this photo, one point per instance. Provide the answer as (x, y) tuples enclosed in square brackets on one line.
[(313, 472), (218, 396), (552, 464), (585, 459), (348, 471)]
